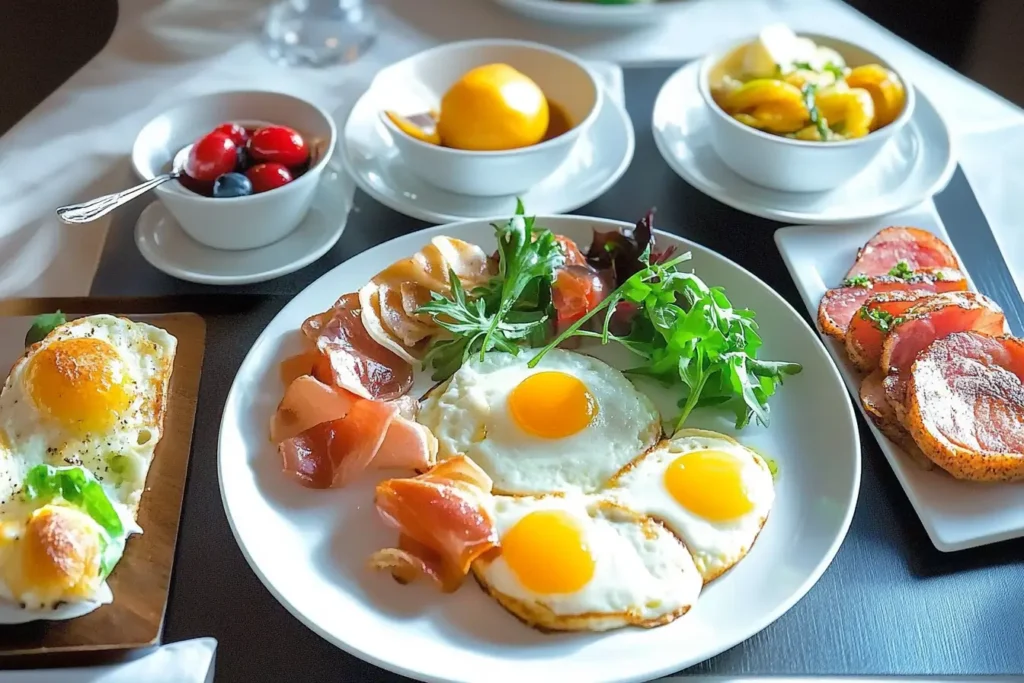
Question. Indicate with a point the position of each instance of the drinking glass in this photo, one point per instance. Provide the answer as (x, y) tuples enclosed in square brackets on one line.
[(318, 32)]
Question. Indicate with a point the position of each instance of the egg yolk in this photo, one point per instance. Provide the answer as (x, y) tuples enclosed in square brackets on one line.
[(552, 405), (547, 552), (709, 484), (76, 382)]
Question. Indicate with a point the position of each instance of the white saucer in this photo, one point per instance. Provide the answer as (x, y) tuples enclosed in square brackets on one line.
[(914, 165), (593, 14), (166, 247), (599, 159)]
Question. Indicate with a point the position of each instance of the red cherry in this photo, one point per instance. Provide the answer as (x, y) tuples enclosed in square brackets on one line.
[(269, 176), (279, 144), (235, 131), (203, 187), (214, 155)]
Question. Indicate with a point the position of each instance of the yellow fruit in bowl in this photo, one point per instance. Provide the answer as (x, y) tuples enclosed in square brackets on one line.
[(886, 91), (493, 107)]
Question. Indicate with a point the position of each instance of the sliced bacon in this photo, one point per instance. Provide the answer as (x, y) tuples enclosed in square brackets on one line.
[(839, 305), (933, 318), (443, 522), (332, 454), (876, 405), (357, 362), (965, 406), (919, 248), (576, 291), (867, 329)]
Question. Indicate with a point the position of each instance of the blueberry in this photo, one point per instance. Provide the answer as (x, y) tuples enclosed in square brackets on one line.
[(232, 185)]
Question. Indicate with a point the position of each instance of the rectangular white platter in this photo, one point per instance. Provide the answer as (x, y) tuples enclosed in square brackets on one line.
[(956, 514)]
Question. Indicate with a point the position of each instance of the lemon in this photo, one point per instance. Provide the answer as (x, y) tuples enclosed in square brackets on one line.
[(493, 107)]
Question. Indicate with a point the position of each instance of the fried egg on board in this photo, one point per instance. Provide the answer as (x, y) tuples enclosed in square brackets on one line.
[(568, 424), (575, 563), (707, 488), (92, 393)]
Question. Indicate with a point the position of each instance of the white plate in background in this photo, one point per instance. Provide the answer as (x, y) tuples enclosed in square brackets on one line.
[(595, 14), (310, 547), (956, 514), (914, 165)]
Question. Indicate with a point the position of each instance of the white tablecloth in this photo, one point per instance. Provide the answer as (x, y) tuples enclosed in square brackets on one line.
[(75, 144)]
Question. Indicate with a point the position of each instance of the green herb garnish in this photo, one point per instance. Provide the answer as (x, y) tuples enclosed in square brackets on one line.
[(883, 320), (809, 91), (902, 270), (939, 275), (42, 326), (77, 487), (689, 334), (835, 70), (512, 307), (804, 66), (773, 467), (860, 280)]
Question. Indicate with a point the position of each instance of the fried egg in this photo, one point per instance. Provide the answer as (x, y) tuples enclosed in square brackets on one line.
[(708, 489), (566, 425), (92, 393), (575, 563)]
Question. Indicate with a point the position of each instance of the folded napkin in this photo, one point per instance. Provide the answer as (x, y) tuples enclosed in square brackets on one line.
[(189, 661)]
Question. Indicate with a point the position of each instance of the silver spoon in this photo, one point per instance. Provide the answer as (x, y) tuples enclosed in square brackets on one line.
[(101, 206)]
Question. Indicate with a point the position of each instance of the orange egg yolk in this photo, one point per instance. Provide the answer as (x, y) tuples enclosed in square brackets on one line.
[(76, 382), (552, 405), (547, 552), (709, 484)]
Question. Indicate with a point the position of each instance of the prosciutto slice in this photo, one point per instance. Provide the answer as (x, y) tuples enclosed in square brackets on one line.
[(839, 305), (443, 521), (358, 363), (867, 329), (918, 248), (933, 318), (965, 406)]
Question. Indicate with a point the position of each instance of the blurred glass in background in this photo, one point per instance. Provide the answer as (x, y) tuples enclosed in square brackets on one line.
[(318, 32)]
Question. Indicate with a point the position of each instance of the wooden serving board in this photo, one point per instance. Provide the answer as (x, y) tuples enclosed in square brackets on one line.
[(141, 580)]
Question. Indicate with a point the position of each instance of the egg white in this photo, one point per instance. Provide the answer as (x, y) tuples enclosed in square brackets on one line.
[(715, 545), (643, 574), (469, 416), (29, 437)]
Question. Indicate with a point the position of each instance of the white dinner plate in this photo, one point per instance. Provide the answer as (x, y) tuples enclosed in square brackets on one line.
[(915, 165), (310, 548), (167, 247), (593, 13), (602, 154), (956, 514)]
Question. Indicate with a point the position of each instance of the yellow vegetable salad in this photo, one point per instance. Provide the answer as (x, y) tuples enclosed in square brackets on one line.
[(787, 85)]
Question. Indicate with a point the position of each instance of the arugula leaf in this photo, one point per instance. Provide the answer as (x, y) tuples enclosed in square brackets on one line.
[(902, 270), (809, 91), (513, 306), (857, 281), (43, 325), (77, 487), (690, 337)]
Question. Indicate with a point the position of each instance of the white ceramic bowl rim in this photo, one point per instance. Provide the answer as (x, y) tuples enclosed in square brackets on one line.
[(488, 42), (715, 56), (328, 145)]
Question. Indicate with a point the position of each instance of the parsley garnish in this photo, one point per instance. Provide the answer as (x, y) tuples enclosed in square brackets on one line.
[(883, 320), (857, 281), (835, 70), (902, 270), (809, 90), (690, 336), (803, 66), (939, 275), (512, 307)]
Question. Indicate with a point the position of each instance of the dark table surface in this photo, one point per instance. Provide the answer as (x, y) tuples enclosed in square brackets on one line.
[(889, 604)]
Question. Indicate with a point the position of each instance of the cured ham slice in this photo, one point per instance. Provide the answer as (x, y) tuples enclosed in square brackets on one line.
[(308, 402), (965, 406), (876, 405), (332, 454), (867, 329), (443, 520), (933, 318), (839, 305), (919, 249), (358, 363)]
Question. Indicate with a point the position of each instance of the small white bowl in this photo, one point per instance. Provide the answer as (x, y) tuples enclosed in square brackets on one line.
[(238, 222), (791, 165), (418, 83)]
